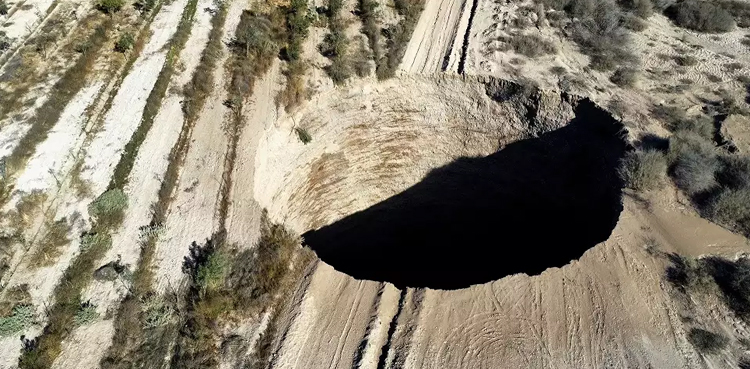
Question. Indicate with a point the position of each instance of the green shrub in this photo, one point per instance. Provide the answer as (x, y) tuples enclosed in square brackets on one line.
[(701, 16), (109, 6), (125, 43), (95, 240), (4, 8), (303, 135), (109, 208), (156, 311), (643, 170), (705, 341), (21, 318), (211, 274), (86, 314)]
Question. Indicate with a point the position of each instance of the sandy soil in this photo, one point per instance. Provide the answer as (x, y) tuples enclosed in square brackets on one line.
[(243, 219), (192, 217), (437, 38)]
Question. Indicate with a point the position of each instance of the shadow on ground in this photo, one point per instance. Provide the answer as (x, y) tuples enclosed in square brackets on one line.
[(535, 204)]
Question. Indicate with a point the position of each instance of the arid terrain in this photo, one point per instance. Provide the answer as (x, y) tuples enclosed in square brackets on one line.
[(374, 184)]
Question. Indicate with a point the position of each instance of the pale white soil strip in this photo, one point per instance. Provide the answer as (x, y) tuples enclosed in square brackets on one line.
[(243, 223), (434, 36), (127, 107), (142, 191), (193, 212), (378, 335), (52, 159), (108, 147)]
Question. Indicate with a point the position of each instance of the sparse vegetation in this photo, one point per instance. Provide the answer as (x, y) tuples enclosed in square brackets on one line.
[(367, 10), (50, 246), (701, 16), (600, 33), (125, 43), (109, 6), (303, 135), (86, 314), (532, 45), (398, 35), (624, 77), (643, 170), (335, 45), (21, 317), (706, 342), (62, 92), (297, 28), (109, 208), (686, 60), (251, 283)]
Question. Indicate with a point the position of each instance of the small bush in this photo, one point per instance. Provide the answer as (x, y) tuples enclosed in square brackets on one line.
[(303, 135), (109, 208), (634, 23), (733, 279), (735, 171), (144, 6), (694, 162), (705, 341), (95, 240), (701, 125), (156, 311), (686, 60), (211, 274), (624, 77), (730, 208), (694, 173), (643, 170), (21, 318), (3, 8), (125, 43), (701, 16), (740, 10), (532, 46), (109, 6), (86, 314)]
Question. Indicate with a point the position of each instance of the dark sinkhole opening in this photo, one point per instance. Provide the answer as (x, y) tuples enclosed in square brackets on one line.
[(534, 204)]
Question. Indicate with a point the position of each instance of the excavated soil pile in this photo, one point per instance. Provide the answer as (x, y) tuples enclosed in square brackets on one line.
[(547, 191)]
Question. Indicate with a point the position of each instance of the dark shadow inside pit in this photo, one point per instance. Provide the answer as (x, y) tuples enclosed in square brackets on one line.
[(535, 204)]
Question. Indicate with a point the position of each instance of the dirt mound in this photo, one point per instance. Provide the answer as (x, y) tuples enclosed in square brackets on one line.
[(525, 180)]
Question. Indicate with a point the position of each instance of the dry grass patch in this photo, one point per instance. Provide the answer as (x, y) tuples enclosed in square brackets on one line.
[(644, 170), (49, 248)]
